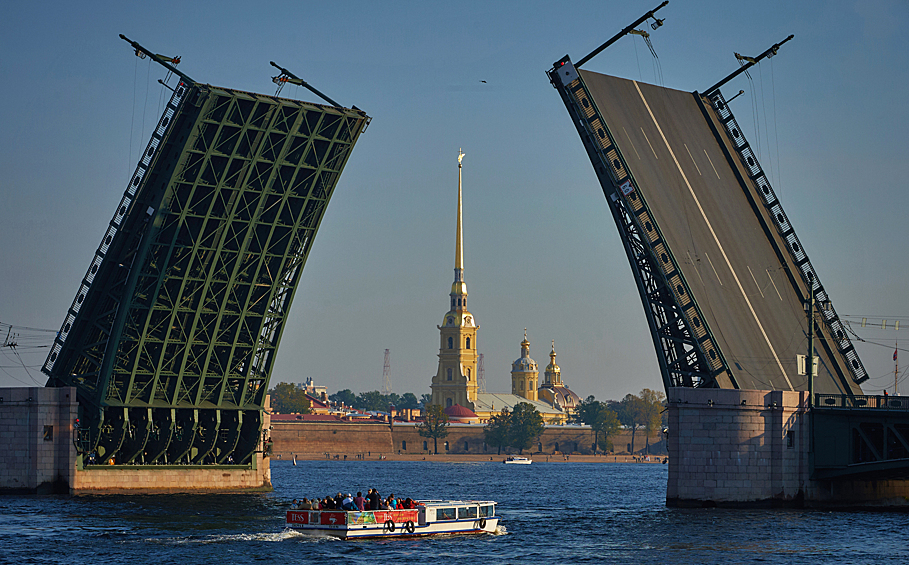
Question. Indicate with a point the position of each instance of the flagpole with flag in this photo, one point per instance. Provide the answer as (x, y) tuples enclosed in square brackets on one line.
[(896, 367)]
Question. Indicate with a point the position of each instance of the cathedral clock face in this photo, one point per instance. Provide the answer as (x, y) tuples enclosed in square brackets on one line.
[(450, 320), (467, 320)]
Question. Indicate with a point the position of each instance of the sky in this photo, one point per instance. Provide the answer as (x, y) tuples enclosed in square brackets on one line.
[(541, 250)]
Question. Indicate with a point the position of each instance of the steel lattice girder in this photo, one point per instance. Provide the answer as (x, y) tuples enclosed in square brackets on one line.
[(183, 305)]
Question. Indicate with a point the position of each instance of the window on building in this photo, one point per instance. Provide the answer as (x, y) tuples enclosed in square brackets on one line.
[(790, 439), (466, 447), (48, 433), (468, 343), (540, 447), (425, 445), (468, 373), (449, 374), (450, 343), (403, 445), (448, 404), (446, 446)]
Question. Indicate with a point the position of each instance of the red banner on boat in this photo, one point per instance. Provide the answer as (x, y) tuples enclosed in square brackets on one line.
[(297, 517), (333, 518), (383, 516)]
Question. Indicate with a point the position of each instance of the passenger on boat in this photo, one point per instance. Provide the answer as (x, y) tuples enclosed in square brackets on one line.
[(392, 502), (348, 504), (374, 498), (360, 501), (295, 505)]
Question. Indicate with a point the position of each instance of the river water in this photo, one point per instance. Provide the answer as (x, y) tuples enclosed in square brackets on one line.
[(551, 513)]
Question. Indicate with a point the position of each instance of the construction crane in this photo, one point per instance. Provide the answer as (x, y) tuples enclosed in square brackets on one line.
[(386, 374)]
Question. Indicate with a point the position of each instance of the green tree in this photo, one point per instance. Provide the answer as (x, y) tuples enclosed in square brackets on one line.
[(434, 425), (372, 400), (426, 400), (651, 412), (606, 426), (286, 398), (526, 425), (630, 414), (408, 401), (346, 397), (601, 418), (497, 431)]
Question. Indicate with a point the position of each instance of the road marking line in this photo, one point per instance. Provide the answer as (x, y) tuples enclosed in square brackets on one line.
[(774, 285), (631, 143), (755, 281), (692, 159), (714, 269), (713, 233), (711, 164), (650, 144), (696, 269)]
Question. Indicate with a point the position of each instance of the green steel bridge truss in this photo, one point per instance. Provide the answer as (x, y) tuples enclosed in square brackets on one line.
[(174, 330)]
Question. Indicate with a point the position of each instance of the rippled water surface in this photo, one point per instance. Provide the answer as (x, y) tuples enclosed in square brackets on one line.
[(551, 513)]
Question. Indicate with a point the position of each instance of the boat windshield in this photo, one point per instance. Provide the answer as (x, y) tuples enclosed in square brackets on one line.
[(488, 510)]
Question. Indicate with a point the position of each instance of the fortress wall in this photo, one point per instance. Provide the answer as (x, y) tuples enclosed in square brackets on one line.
[(36, 439), (350, 438)]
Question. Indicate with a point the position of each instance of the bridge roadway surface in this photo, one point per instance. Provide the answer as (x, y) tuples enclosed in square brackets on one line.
[(744, 290)]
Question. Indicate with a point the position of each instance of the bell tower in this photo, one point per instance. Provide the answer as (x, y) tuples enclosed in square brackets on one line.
[(456, 380)]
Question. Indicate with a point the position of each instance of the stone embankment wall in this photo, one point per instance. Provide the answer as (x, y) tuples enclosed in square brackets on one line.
[(37, 454), (350, 438)]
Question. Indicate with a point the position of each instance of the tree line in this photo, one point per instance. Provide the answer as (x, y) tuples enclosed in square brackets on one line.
[(634, 412), (288, 398)]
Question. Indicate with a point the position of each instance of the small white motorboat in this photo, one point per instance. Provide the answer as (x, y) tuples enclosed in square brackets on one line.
[(517, 460)]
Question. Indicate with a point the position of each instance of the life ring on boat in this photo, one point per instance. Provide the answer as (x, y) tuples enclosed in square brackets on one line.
[(390, 525), (482, 523), (409, 526)]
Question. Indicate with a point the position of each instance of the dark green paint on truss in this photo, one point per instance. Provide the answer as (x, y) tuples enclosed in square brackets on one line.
[(175, 327)]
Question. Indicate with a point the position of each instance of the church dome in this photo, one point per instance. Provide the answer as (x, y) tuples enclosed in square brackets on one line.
[(458, 413), (524, 364)]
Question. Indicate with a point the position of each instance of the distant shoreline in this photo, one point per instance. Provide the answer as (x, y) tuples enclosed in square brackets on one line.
[(465, 458)]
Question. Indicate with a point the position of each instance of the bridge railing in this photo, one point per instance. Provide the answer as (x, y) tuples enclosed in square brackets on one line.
[(787, 233), (891, 403)]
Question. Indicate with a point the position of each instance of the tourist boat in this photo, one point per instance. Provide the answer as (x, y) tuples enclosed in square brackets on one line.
[(430, 517), (517, 460)]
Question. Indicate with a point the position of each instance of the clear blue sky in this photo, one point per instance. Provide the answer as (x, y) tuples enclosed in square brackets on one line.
[(541, 250)]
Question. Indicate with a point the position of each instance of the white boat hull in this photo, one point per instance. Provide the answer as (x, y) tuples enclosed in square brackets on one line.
[(384, 523)]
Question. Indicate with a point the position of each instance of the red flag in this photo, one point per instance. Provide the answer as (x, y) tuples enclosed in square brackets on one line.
[(894, 354)]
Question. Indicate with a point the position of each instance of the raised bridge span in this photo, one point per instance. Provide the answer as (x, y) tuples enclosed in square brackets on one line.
[(723, 278)]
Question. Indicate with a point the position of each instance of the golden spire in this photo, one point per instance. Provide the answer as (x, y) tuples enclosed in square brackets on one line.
[(459, 253), (459, 287)]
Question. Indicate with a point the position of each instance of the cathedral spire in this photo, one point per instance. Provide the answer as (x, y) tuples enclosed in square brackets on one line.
[(459, 287)]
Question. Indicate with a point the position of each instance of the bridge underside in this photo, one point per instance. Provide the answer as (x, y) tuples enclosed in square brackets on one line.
[(860, 438), (173, 333), (721, 274)]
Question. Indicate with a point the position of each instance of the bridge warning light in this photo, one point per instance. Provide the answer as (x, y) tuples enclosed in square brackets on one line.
[(76, 423)]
